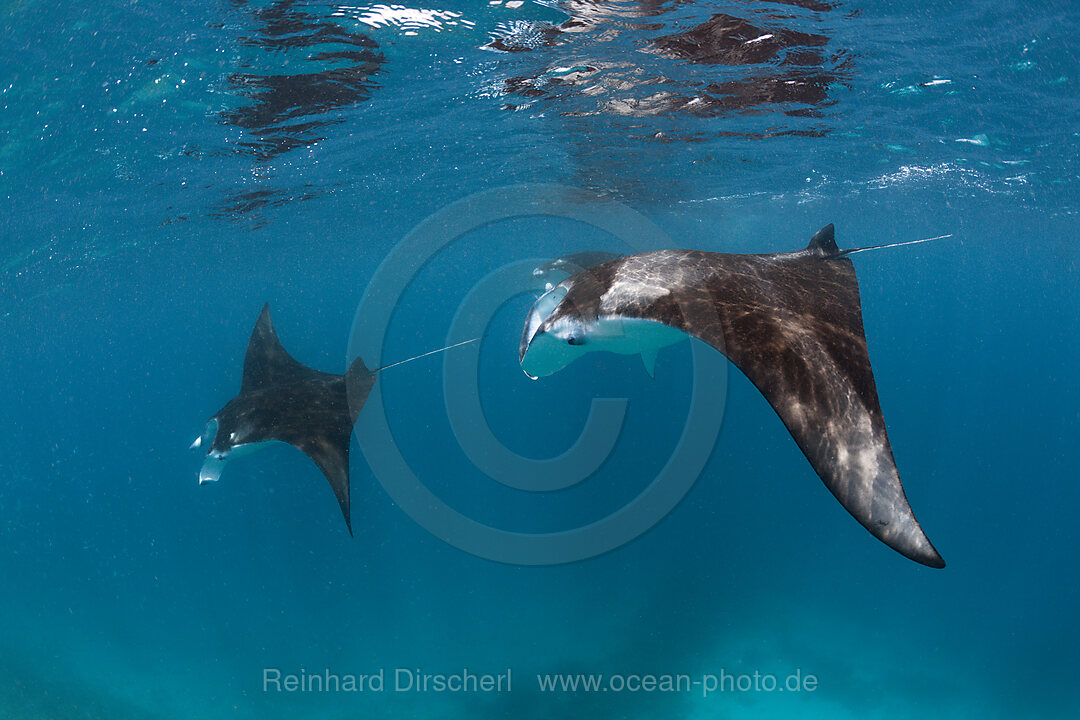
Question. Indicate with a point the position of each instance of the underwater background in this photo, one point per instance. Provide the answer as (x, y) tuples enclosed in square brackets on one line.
[(166, 168)]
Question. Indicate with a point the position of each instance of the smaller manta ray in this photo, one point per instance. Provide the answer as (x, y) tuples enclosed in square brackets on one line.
[(792, 322), (282, 400)]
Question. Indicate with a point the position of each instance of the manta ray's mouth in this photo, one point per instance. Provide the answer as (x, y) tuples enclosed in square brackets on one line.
[(547, 353)]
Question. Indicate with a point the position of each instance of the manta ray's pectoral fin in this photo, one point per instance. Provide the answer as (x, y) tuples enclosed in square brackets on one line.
[(267, 364), (332, 457), (793, 325), (336, 413)]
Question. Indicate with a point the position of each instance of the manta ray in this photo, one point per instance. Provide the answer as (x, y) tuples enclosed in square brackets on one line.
[(283, 400), (791, 322)]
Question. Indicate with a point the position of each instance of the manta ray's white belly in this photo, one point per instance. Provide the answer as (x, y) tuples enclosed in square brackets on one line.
[(552, 351)]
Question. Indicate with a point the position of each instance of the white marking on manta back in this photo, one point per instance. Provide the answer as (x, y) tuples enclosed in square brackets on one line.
[(627, 290), (867, 462)]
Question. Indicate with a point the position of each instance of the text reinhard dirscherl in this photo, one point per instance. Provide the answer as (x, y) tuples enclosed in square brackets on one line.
[(410, 680), (381, 680)]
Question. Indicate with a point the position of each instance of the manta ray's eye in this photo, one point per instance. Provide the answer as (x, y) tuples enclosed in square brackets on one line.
[(576, 340)]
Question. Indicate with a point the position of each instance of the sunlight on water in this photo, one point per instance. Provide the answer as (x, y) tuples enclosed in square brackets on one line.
[(409, 20)]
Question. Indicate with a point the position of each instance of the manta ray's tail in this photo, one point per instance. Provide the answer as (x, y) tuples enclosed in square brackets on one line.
[(823, 244), (359, 379), (424, 355)]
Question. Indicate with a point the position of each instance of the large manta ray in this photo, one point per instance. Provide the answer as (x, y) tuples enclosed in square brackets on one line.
[(792, 322)]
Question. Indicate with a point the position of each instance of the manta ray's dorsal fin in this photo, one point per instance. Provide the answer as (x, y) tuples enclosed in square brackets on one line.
[(823, 244), (266, 362), (358, 383)]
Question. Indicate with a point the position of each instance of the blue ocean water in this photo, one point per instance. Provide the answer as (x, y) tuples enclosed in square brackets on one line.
[(167, 168)]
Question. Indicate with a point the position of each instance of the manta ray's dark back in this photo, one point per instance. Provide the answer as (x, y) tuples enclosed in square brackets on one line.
[(282, 399), (792, 322)]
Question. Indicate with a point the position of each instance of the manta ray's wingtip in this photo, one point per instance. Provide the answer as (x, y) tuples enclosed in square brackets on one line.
[(926, 554), (929, 557), (901, 531), (918, 549), (346, 506), (346, 510)]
